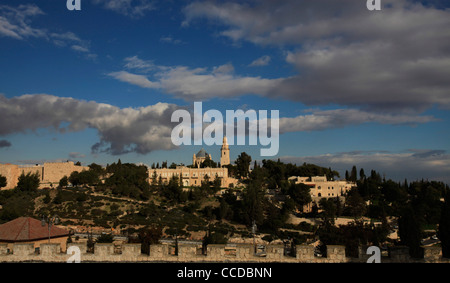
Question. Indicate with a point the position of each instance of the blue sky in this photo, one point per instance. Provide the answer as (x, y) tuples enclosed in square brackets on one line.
[(352, 87)]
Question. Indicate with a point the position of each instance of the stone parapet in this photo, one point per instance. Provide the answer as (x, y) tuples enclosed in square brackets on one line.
[(51, 252)]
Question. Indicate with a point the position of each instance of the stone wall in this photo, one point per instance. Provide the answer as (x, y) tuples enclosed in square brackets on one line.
[(50, 173), (11, 172), (239, 253)]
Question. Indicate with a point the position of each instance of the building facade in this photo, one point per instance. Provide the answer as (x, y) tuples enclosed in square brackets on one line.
[(27, 230), (225, 153), (50, 173), (200, 157), (322, 188), (194, 176)]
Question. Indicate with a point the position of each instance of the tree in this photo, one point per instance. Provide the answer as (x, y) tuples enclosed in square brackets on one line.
[(444, 226), (98, 170), (410, 232), (173, 190), (154, 181), (28, 182), (329, 209), (355, 204), (105, 238), (353, 174), (362, 175), (252, 202), (64, 182), (3, 181), (47, 197), (208, 163), (74, 179), (214, 237), (300, 194), (128, 180), (147, 236), (243, 165)]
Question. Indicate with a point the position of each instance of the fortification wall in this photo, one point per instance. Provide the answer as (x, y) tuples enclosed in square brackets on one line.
[(53, 172), (32, 170), (52, 252), (50, 173), (11, 172)]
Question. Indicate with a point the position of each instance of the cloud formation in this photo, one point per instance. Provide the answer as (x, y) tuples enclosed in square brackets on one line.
[(345, 54), (145, 129), (139, 130), (15, 22), (4, 143), (130, 8), (330, 119), (195, 84), (261, 61)]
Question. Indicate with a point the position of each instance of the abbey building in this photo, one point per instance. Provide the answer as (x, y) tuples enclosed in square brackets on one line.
[(195, 174)]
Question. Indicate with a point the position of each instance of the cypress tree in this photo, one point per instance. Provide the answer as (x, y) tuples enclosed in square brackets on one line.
[(353, 174), (444, 226), (410, 232)]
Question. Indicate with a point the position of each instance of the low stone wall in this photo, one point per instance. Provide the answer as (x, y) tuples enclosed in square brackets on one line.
[(51, 252)]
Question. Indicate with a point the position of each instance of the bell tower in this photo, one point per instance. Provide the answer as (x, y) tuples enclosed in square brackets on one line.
[(224, 153)]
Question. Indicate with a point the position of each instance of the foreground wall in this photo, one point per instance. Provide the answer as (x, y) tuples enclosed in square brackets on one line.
[(192, 253)]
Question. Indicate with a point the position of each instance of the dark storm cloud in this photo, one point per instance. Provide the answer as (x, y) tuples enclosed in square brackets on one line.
[(393, 60), (4, 143)]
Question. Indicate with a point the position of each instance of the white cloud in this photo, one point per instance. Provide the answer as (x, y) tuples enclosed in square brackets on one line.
[(135, 63), (14, 22), (139, 80), (199, 83), (130, 8), (261, 61)]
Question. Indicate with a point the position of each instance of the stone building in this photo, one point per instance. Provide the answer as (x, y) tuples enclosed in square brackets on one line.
[(50, 173), (27, 230), (200, 157), (193, 176), (322, 188), (225, 153)]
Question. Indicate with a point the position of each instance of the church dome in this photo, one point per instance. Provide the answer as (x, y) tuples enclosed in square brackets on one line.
[(201, 153)]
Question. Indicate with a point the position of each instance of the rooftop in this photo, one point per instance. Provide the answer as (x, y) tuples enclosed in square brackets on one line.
[(28, 229), (201, 153)]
